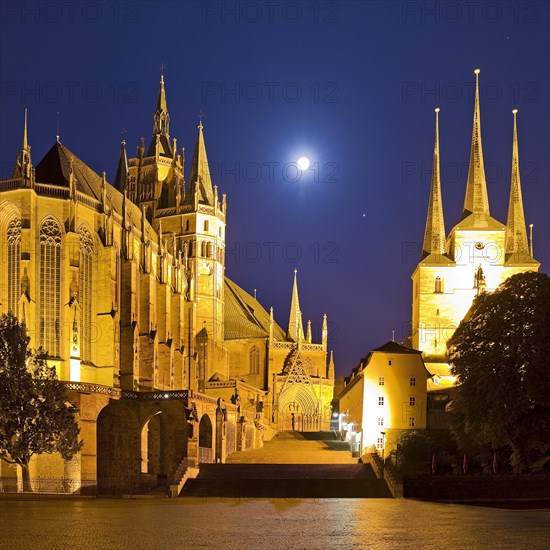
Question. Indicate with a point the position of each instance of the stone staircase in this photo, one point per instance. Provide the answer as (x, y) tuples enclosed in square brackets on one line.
[(286, 481)]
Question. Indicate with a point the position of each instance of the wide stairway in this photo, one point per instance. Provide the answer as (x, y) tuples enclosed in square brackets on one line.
[(292, 465)]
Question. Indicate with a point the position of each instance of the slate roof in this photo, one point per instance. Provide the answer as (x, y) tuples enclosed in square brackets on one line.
[(54, 169), (245, 317)]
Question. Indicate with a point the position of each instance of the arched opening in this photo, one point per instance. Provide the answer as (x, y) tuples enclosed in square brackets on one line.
[(220, 421), (299, 410), (151, 445), (205, 439), (118, 449)]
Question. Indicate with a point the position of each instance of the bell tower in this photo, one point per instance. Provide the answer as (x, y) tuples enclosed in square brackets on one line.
[(155, 176)]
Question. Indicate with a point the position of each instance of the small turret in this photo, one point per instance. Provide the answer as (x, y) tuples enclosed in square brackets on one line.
[(23, 168), (325, 332), (121, 176), (331, 366)]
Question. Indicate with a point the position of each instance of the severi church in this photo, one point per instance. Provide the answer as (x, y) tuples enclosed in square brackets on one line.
[(477, 255), (168, 362)]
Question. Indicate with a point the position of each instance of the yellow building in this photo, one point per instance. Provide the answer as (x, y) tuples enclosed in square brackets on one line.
[(168, 361), (384, 396), (477, 255)]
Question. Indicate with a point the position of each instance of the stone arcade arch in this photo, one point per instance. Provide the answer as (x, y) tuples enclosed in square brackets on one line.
[(140, 445), (118, 448), (205, 439)]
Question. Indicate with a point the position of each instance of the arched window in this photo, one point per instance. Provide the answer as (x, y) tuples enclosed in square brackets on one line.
[(206, 225), (210, 250), (438, 285), (85, 293), (254, 360), (203, 249), (14, 264), (50, 286)]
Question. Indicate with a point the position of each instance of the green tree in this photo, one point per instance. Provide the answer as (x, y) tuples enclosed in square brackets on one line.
[(500, 355), (35, 416), (414, 453)]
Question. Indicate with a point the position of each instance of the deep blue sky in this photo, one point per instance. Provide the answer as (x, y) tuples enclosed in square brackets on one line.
[(351, 85)]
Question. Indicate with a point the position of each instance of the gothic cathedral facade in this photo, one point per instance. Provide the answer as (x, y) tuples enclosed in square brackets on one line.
[(169, 362)]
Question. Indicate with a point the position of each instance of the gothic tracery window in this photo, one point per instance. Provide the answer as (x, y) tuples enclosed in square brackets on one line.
[(438, 285), (85, 293), (254, 359), (50, 286), (14, 264)]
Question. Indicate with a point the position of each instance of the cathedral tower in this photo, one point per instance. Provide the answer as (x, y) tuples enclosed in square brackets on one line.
[(156, 178)]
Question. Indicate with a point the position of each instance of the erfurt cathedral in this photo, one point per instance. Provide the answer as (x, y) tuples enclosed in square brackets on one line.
[(168, 362)]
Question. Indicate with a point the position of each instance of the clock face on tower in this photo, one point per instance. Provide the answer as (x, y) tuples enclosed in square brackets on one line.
[(479, 245)]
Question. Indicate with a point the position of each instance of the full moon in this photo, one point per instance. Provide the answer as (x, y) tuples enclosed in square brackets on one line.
[(303, 163)]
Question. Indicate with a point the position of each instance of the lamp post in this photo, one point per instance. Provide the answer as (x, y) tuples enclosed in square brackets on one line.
[(383, 449)]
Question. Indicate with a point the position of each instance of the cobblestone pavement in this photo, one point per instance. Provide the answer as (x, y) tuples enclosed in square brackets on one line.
[(296, 448), (288, 524)]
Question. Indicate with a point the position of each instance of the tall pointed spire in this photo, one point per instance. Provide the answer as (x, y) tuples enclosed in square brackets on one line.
[(295, 328), (121, 176), (516, 233), (160, 143), (161, 118), (476, 199), (434, 235), (200, 182), (23, 168), (25, 143), (331, 366)]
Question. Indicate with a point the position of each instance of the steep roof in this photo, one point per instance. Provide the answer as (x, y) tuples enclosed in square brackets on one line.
[(245, 317), (55, 169), (394, 347)]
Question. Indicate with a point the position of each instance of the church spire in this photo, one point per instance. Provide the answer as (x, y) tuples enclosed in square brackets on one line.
[(434, 235), (161, 118), (295, 329), (200, 183), (516, 233), (121, 176), (476, 200), (23, 168), (331, 366)]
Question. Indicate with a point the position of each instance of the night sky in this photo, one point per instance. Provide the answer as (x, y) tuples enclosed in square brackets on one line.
[(353, 86)]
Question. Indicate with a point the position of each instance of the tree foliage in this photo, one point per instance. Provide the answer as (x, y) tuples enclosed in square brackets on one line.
[(500, 355), (35, 416)]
